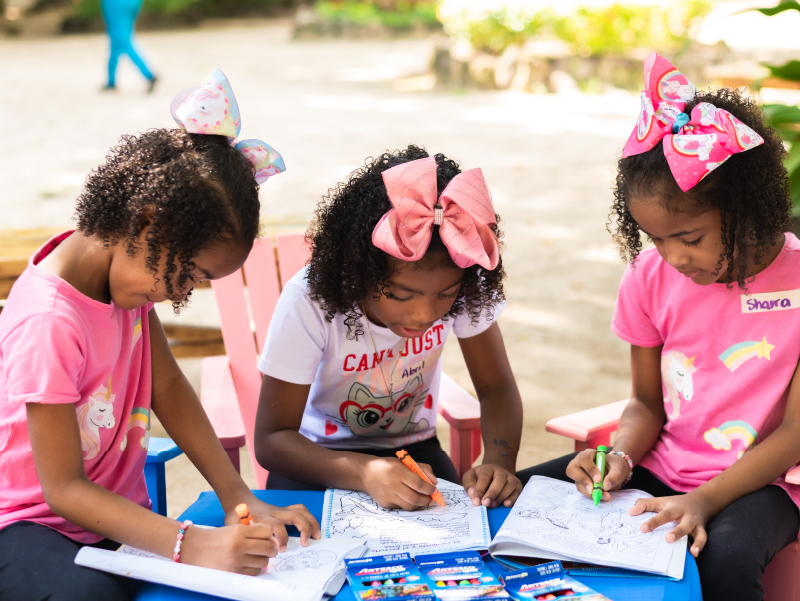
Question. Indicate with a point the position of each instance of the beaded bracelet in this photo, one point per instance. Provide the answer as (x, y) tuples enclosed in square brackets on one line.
[(177, 557), (630, 464)]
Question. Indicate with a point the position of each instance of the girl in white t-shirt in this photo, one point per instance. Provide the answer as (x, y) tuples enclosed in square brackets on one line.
[(404, 251)]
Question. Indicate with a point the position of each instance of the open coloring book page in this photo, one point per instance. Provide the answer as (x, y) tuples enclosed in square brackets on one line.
[(301, 573), (353, 515), (552, 520)]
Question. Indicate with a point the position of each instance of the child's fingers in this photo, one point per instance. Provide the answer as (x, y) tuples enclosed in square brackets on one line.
[(479, 490), (414, 482), (685, 527), (304, 521), (510, 491), (258, 551), (652, 505), (411, 500), (615, 475), (699, 537), (580, 470), (279, 533), (497, 484), (470, 479), (428, 472)]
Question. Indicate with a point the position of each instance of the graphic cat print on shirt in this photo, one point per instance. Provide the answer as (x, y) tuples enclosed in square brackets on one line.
[(369, 416)]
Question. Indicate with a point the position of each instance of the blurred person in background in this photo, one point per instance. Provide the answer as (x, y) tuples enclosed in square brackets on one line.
[(120, 17)]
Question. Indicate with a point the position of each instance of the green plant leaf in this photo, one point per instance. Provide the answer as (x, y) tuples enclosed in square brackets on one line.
[(789, 71), (782, 113), (792, 161), (779, 9)]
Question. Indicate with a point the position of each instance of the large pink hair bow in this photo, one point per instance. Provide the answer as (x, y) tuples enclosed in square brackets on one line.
[(211, 108), (694, 146), (464, 214)]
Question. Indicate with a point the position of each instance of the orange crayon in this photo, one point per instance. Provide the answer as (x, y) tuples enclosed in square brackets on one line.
[(244, 514), (412, 465)]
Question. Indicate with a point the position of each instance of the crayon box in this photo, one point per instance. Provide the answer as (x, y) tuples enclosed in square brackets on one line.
[(392, 577), (547, 582), (460, 575)]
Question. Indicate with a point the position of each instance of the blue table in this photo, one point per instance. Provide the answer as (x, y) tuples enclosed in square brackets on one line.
[(207, 511)]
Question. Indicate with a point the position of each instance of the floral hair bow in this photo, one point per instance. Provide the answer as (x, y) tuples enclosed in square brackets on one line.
[(464, 214), (694, 145), (211, 108)]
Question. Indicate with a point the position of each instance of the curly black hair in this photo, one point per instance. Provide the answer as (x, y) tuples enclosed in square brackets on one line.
[(751, 191), (345, 266), (192, 188)]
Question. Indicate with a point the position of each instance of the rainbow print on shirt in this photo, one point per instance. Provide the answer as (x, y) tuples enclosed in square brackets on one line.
[(139, 418), (722, 438), (735, 356)]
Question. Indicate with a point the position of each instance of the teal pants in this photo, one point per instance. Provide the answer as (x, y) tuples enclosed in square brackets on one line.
[(120, 17)]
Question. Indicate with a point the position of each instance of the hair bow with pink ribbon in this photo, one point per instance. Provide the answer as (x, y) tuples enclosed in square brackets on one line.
[(464, 214), (694, 145), (211, 108)]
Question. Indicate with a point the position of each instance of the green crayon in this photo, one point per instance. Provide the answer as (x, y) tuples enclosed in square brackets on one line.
[(600, 461)]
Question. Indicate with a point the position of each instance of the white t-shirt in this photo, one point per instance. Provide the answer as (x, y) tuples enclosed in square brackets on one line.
[(349, 406)]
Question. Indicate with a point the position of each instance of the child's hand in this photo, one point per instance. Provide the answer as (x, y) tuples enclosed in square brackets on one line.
[(239, 549), (278, 518), (394, 486), (691, 511), (583, 470), (491, 485)]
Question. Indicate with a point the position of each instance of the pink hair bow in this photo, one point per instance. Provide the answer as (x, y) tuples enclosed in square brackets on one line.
[(464, 214), (211, 108), (694, 146)]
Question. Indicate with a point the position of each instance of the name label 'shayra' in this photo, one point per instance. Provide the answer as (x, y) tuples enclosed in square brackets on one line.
[(770, 301)]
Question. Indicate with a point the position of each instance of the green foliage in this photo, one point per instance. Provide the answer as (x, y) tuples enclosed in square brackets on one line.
[(395, 14), (500, 28), (789, 71), (786, 118), (780, 8), (616, 29), (590, 30), (86, 14)]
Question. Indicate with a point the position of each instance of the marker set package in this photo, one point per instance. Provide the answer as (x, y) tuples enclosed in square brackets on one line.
[(548, 582), (392, 577), (458, 576)]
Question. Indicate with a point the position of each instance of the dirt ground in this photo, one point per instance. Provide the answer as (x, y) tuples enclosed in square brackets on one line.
[(327, 105)]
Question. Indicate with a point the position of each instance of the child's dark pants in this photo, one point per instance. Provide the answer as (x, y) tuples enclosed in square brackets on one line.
[(36, 562), (742, 539)]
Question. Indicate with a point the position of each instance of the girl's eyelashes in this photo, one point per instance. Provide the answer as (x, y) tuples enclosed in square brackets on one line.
[(693, 242), (391, 296)]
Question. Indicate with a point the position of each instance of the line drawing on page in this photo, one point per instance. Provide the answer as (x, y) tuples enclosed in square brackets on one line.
[(457, 525), (307, 559)]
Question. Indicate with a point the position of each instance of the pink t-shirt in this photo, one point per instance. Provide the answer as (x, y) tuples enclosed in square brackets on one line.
[(59, 346), (726, 364)]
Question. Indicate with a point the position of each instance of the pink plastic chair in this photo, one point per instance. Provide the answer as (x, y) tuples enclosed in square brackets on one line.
[(246, 301), (594, 427)]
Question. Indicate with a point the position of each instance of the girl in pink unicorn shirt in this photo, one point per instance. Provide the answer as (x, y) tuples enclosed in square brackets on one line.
[(83, 360), (712, 314)]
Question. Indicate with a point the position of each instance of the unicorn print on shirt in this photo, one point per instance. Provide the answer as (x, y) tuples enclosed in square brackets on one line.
[(97, 412), (676, 374), (370, 416)]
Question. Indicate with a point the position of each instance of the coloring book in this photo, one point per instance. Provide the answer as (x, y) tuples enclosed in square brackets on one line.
[(300, 573), (552, 520), (458, 526)]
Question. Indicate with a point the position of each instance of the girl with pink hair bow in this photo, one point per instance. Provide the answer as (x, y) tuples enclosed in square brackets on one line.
[(712, 316), (84, 361), (403, 252)]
